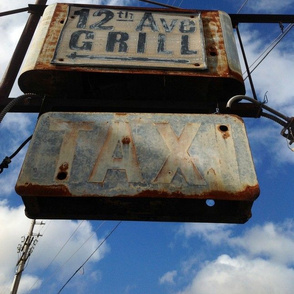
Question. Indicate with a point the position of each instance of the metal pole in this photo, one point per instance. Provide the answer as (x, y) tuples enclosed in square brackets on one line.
[(19, 53), (22, 261), (246, 64)]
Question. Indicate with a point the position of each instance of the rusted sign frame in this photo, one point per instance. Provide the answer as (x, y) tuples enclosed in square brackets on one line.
[(182, 170), (224, 69)]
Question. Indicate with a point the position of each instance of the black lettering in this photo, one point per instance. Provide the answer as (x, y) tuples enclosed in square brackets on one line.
[(75, 39), (152, 24), (99, 25), (168, 28), (120, 14), (185, 46), (161, 44), (141, 43), (117, 37), (187, 26), (84, 14)]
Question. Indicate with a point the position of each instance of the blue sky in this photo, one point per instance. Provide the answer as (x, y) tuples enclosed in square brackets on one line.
[(180, 258)]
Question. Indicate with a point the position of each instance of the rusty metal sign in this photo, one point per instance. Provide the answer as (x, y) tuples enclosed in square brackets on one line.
[(135, 55), (144, 157), (94, 36)]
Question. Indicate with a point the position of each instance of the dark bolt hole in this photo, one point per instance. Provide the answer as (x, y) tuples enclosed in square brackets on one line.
[(61, 176), (223, 128), (212, 53)]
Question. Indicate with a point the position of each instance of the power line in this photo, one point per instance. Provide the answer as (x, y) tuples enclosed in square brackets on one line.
[(84, 242), (101, 243), (244, 3), (59, 251), (61, 266), (268, 50)]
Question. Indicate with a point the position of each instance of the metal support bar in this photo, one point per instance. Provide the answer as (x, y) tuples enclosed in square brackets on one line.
[(14, 11), (19, 54), (246, 64), (261, 18)]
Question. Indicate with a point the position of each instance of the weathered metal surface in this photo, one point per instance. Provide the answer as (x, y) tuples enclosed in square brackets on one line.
[(128, 38), (115, 157), (219, 78)]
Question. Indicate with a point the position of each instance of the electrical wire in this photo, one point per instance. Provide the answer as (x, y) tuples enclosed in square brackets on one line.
[(84, 243), (101, 243), (181, 3), (268, 50), (61, 266), (59, 251), (7, 160), (159, 4), (66, 242), (242, 6), (14, 101)]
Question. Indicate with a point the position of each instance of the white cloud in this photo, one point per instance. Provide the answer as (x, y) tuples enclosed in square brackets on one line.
[(270, 6), (274, 77), (13, 225), (274, 241), (55, 234), (168, 278), (274, 74), (240, 275), (214, 233), (18, 123), (14, 129), (263, 261)]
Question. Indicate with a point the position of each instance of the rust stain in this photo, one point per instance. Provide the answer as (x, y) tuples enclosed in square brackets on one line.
[(224, 131), (64, 167), (226, 135), (211, 171), (250, 193), (126, 140), (29, 189)]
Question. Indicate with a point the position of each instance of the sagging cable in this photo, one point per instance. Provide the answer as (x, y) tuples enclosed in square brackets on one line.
[(7, 160), (15, 101), (283, 120)]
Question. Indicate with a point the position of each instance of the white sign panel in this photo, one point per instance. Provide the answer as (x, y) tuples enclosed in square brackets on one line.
[(131, 38)]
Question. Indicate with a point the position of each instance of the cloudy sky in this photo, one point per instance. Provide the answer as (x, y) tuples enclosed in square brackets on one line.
[(180, 258)]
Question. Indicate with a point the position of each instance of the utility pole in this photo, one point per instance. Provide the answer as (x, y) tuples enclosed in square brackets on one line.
[(26, 250)]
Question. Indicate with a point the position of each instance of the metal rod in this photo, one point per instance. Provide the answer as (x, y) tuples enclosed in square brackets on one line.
[(14, 11), (246, 64), (261, 18), (19, 54)]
